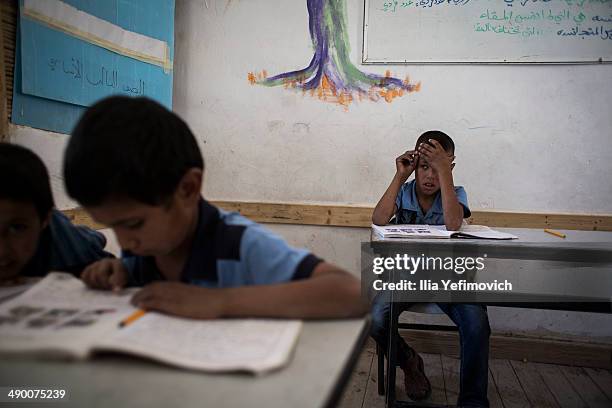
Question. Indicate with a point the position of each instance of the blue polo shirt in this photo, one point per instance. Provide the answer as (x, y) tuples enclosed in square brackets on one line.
[(65, 247), (230, 250), (409, 211)]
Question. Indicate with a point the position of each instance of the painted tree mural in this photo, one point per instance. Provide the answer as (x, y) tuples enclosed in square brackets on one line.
[(331, 76)]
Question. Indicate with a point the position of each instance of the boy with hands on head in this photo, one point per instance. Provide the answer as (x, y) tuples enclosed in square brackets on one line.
[(136, 167), (435, 165), (432, 198)]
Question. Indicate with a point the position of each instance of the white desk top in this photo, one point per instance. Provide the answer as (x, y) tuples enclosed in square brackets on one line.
[(324, 353), (575, 269), (526, 237)]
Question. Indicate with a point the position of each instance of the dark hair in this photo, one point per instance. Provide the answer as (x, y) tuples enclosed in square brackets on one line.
[(24, 178), (442, 138), (129, 148)]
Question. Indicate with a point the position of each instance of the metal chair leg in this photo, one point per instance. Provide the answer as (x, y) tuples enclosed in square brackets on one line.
[(381, 369), (391, 357)]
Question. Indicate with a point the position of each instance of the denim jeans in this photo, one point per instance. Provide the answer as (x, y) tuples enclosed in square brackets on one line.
[(474, 332)]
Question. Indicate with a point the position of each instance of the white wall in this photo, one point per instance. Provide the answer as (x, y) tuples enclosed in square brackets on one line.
[(50, 147), (528, 138)]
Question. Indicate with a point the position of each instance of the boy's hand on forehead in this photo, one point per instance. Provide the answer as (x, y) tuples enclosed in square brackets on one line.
[(406, 163), (435, 155), (180, 299)]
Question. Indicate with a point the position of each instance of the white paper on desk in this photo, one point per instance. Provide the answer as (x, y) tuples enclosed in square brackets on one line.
[(59, 315), (475, 231), (10, 291), (438, 231), (255, 345), (410, 231)]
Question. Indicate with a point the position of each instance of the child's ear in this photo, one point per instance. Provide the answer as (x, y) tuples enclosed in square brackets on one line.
[(190, 185)]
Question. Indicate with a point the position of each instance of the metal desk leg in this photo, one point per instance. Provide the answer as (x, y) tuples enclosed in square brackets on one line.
[(380, 357), (392, 357)]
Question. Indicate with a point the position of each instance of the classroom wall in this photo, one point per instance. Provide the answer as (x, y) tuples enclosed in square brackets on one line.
[(529, 138)]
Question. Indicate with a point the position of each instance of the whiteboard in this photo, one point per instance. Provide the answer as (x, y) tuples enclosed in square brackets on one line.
[(487, 31)]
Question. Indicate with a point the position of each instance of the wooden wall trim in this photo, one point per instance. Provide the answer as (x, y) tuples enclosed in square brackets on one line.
[(359, 216), (301, 214), (8, 32), (3, 88), (78, 216)]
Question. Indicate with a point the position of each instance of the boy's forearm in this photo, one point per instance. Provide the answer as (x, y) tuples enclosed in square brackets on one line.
[(453, 211), (385, 206), (326, 296)]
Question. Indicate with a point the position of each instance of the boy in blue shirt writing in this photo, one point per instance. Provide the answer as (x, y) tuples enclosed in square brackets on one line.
[(432, 198), (35, 238), (136, 167)]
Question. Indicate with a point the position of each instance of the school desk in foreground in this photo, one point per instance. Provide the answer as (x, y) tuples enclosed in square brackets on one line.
[(315, 375)]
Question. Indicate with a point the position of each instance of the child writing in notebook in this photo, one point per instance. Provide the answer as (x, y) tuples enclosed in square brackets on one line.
[(136, 167), (432, 198), (35, 238)]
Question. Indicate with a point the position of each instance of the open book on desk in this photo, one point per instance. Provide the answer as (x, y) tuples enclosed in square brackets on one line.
[(59, 316), (438, 231), (14, 287)]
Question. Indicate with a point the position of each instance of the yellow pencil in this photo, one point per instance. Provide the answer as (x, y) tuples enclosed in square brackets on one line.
[(133, 317), (555, 233)]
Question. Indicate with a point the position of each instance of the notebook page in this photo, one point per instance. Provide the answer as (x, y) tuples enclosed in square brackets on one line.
[(10, 290), (255, 345), (478, 231), (465, 228), (410, 231), (59, 314)]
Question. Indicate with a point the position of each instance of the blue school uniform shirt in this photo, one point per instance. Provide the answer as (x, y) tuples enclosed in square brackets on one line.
[(65, 247), (230, 250), (409, 211)]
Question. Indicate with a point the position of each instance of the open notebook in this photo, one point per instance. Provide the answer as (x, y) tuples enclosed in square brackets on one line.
[(438, 231), (15, 287), (59, 316)]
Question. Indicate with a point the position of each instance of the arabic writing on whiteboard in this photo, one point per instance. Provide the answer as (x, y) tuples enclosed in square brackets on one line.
[(580, 19)]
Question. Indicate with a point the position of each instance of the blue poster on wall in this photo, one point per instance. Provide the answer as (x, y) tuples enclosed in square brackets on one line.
[(71, 53)]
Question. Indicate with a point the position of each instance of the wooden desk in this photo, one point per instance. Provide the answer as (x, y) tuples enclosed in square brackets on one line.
[(324, 357)]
